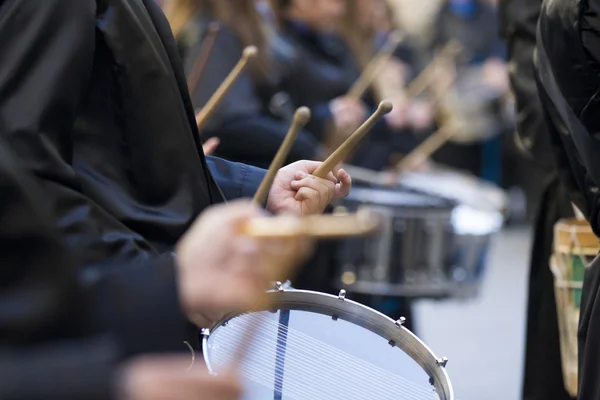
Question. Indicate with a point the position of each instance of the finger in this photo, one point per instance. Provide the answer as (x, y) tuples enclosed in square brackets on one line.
[(302, 175), (322, 185), (225, 386), (316, 194), (342, 189), (211, 145)]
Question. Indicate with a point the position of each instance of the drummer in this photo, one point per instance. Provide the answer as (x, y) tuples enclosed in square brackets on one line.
[(109, 133), (473, 24), (567, 71), (325, 71), (63, 340), (252, 120)]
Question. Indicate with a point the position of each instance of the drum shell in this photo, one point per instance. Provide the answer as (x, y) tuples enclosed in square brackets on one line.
[(575, 246), (410, 255)]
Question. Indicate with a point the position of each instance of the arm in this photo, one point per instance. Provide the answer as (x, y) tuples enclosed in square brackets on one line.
[(258, 137), (235, 180), (47, 49)]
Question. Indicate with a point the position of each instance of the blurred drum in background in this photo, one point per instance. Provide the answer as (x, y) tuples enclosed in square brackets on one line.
[(575, 246), (430, 246)]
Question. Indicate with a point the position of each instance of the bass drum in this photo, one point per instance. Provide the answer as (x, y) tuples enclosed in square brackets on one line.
[(313, 345)]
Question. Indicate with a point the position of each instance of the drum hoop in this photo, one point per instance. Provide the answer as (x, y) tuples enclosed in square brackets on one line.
[(358, 314)]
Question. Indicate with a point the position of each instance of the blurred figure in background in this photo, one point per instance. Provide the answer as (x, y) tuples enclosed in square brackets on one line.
[(481, 84), (543, 377), (253, 118)]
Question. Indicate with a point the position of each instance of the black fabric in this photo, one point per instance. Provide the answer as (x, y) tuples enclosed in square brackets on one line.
[(543, 378), (568, 81), (249, 131), (97, 108), (60, 339)]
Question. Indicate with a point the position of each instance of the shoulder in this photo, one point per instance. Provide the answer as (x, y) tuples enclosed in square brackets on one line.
[(48, 14)]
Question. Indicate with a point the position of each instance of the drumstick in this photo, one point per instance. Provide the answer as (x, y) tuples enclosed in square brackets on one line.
[(217, 97), (202, 60), (371, 71), (345, 148), (425, 149), (420, 83), (314, 226), (301, 118)]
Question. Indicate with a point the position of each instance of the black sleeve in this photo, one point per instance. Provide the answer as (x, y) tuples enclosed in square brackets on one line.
[(82, 369), (518, 23), (47, 51), (257, 138), (235, 180)]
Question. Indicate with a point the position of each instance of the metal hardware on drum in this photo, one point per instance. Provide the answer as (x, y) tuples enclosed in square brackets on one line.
[(313, 345), (427, 247)]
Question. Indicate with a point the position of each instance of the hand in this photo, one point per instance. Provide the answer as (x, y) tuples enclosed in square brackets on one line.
[(420, 114), (211, 145), (495, 75), (397, 118), (296, 191), (168, 378), (222, 271), (348, 114)]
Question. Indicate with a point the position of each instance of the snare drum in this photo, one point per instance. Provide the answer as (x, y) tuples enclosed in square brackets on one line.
[(312, 345), (575, 246), (427, 247), (408, 255)]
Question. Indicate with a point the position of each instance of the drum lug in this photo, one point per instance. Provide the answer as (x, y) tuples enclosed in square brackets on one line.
[(342, 295), (442, 361), (205, 332), (400, 322), (279, 286)]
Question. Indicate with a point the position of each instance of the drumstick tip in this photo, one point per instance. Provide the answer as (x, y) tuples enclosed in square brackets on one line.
[(250, 51), (385, 107), (302, 116)]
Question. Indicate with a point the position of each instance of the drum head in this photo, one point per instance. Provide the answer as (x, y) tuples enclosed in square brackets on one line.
[(396, 197), (305, 354)]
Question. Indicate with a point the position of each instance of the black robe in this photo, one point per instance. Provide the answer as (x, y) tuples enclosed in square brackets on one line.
[(568, 81), (543, 378), (94, 101), (249, 122), (60, 339)]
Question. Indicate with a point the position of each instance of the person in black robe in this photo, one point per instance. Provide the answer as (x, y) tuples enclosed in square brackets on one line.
[(254, 116), (60, 339), (567, 74), (94, 101), (543, 378), (325, 69)]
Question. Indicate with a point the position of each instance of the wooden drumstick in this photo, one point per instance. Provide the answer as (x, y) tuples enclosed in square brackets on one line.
[(217, 97), (345, 148), (420, 83), (301, 118), (425, 149), (203, 56), (375, 66)]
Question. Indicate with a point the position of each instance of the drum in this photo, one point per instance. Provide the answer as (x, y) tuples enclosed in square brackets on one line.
[(312, 345), (427, 248), (575, 246), (408, 255), (457, 186)]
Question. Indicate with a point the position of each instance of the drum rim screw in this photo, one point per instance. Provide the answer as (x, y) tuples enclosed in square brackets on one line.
[(205, 332), (401, 321), (342, 295), (442, 361), (279, 286)]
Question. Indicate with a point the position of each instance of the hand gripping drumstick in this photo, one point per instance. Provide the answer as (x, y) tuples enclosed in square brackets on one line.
[(372, 69), (210, 107), (301, 118), (345, 148)]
